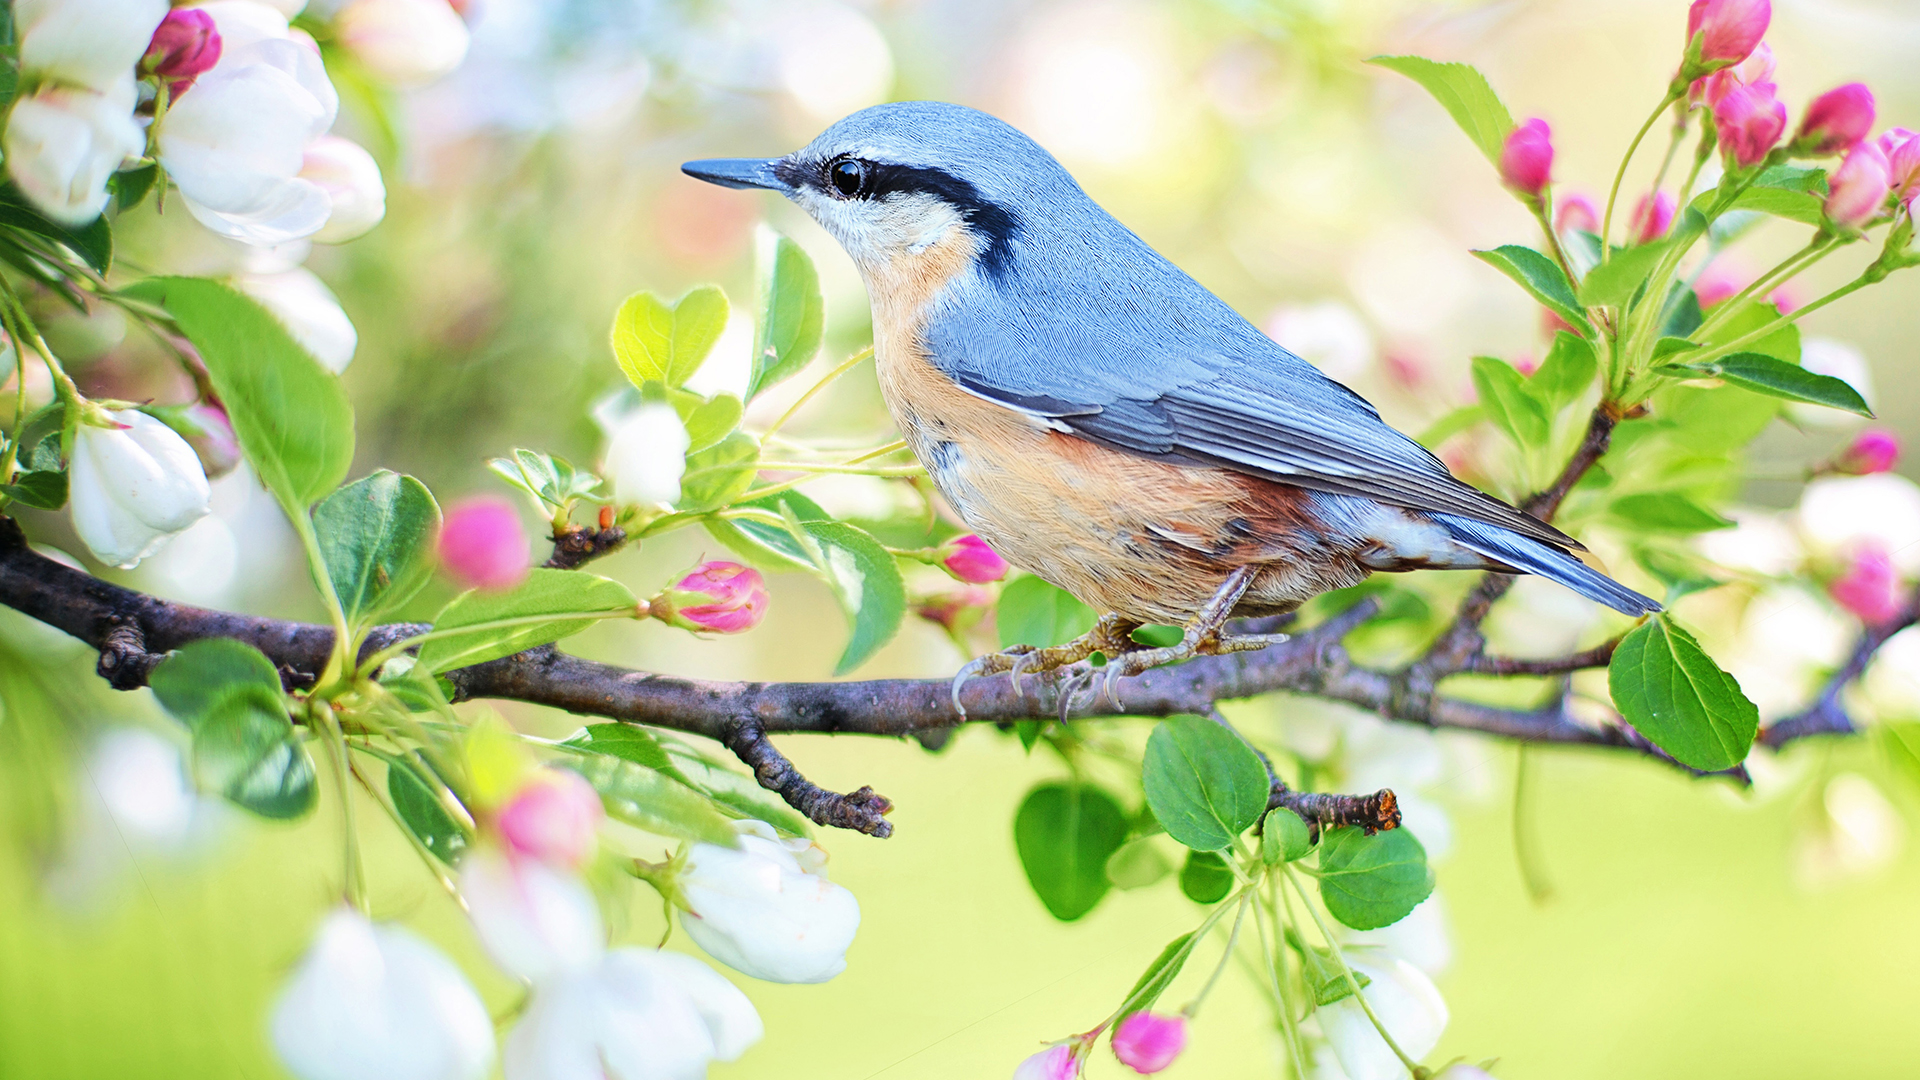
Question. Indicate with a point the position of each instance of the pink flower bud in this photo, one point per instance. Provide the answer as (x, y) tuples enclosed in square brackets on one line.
[(1526, 162), (482, 545), (1719, 281), (1858, 188), (1577, 213), (971, 560), (210, 434), (1784, 300), (1054, 1063), (1652, 216), (1148, 1042), (714, 597), (184, 47), (1874, 451), (955, 610), (1733, 28), (1836, 120), (1870, 588), (1755, 70), (554, 818), (1902, 148), (1749, 120)]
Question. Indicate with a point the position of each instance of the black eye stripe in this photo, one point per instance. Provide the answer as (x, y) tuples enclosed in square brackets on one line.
[(996, 224)]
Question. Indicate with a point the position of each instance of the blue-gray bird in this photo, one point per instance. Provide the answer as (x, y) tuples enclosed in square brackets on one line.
[(1104, 421)]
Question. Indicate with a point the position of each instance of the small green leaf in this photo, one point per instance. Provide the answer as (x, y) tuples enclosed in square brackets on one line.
[(1204, 785), (1453, 423), (1205, 879), (864, 579), (1137, 864), (93, 242), (1783, 343), (1672, 346), (1614, 283), (1565, 374), (376, 536), (651, 800), (1543, 280), (1464, 93), (719, 474), (1326, 981), (1667, 511), (1671, 691), (567, 595), (551, 479), (191, 680), (654, 341), (1503, 391), (1035, 612), (40, 489), (422, 813), (1065, 833), (1159, 975), (245, 748), (289, 414), (1682, 573), (129, 186), (1683, 314), (1284, 837), (792, 316), (628, 743), (766, 541), (1776, 378), (712, 420), (1372, 881)]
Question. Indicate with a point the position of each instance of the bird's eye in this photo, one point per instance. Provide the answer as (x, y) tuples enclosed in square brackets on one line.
[(848, 176)]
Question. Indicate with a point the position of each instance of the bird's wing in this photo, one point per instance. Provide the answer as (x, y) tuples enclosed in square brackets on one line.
[(1240, 401)]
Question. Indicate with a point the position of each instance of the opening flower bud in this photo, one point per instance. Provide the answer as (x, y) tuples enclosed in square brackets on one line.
[(1748, 120), (1859, 187), (1874, 451), (482, 545), (1577, 213), (185, 46), (1836, 120), (1526, 161), (972, 561), (1148, 1042), (1902, 149), (1652, 216), (1870, 588), (555, 818), (713, 598), (1729, 29), (1054, 1063)]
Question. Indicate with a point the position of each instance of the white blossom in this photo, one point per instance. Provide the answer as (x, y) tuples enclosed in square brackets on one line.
[(1407, 1005), (537, 922), (132, 487), (87, 43), (404, 42), (134, 799), (63, 143), (647, 455), (766, 908), (356, 196), (309, 311), (236, 141), (1328, 334), (1837, 513), (377, 1000)]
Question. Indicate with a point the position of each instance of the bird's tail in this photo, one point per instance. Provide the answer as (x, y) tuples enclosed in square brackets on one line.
[(1534, 557)]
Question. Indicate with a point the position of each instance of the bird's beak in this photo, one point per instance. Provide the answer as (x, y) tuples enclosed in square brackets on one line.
[(738, 173)]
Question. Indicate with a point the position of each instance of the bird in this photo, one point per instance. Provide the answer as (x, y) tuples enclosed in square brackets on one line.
[(1103, 420)]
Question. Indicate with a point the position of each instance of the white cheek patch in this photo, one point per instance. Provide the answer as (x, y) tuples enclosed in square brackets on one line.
[(876, 231)]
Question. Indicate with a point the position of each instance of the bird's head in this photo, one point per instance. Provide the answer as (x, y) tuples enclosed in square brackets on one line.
[(899, 183)]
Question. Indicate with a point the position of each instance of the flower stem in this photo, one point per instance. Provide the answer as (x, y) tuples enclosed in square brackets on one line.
[(1275, 954), (320, 714), (1346, 970), (1818, 248), (845, 366), (1749, 338), (1192, 1009), (1613, 194)]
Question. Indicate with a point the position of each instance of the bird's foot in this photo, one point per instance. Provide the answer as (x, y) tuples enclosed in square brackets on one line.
[(1204, 635), (1110, 635)]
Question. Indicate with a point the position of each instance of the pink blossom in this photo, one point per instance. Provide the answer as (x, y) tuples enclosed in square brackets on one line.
[(1148, 1042), (971, 560), (1902, 148), (1733, 28), (482, 544), (554, 818), (1755, 70), (1056, 1062), (1749, 120), (1784, 299), (1719, 281), (185, 46), (1652, 216), (1859, 187), (1526, 162), (1577, 214), (1836, 120), (1870, 588), (714, 597), (206, 428), (953, 609), (1874, 451)]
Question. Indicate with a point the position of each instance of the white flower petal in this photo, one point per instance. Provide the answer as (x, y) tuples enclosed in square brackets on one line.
[(626, 1018), (91, 43), (404, 42), (759, 911), (535, 921), (647, 455), (309, 311), (351, 178), (132, 488), (63, 144), (1407, 1004)]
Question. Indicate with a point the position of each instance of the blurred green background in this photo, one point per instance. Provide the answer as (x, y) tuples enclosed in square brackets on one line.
[(1690, 930)]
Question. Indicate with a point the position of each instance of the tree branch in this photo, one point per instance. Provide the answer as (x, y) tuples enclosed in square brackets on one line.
[(1826, 716)]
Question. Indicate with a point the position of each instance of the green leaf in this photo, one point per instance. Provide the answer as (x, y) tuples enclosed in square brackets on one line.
[(711, 421), (289, 413), (1683, 314), (564, 594), (767, 541), (1667, 511), (1503, 391), (1325, 979), (1776, 378), (1566, 373), (1453, 423), (1372, 881), (1065, 833), (1284, 838), (628, 743), (1204, 784), (422, 813), (1159, 975), (864, 579), (1672, 692), (1682, 573), (1543, 280), (1781, 344), (654, 341), (244, 747), (719, 474), (737, 794), (552, 480), (651, 800), (1614, 283), (1137, 864), (40, 489), (93, 242), (792, 317), (1035, 612), (193, 679), (129, 186), (1464, 93), (1672, 346), (1205, 879), (375, 535)]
